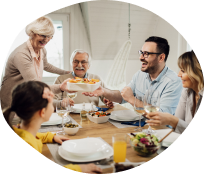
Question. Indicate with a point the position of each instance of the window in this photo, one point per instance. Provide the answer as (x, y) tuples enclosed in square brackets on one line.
[(57, 48)]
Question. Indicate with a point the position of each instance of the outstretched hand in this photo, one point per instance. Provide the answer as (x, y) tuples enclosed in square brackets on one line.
[(63, 86), (98, 92)]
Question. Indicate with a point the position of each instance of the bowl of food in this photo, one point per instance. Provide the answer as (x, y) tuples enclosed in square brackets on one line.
[(98, 117), (83, 84), (144, 144), (71, 129)]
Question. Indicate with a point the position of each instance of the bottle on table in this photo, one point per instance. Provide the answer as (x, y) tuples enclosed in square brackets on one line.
[(91, 109), (83, 113)]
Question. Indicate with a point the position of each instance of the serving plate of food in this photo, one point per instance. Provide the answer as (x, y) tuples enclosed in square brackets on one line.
[(83, 84)]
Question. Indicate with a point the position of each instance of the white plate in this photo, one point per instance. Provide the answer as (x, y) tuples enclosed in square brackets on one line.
[(95, 157), (169, 139), (50, 124), (78, 107), (125, 115), (113, 117), (54, 119), (83, 87), (84, 146), (127, 164)]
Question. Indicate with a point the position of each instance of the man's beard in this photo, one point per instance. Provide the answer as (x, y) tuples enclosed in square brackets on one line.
[(150, 70)]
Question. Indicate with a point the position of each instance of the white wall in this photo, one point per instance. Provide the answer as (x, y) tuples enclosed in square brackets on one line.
[(78, 33), (80, 39)]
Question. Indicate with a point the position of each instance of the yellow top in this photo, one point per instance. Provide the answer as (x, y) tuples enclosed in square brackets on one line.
[(37, 143)]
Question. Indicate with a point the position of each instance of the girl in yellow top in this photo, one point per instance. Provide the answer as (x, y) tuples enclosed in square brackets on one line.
[(32, 101)]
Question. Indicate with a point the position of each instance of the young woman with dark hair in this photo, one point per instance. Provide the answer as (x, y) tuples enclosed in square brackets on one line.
[(32, 101)]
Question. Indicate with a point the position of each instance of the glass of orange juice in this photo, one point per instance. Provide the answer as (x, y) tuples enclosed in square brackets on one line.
[(119, 147)]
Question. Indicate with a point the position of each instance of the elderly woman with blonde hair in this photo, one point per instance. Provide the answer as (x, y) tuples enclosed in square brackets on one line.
[(192, 79), (28, 60)]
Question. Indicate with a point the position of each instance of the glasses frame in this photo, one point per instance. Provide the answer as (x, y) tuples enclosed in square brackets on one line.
[(76, 62), (145, 54), (44, 36)]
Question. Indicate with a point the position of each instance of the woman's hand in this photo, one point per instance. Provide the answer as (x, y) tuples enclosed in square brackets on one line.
[(59, 139), (67, 101), (71, 102), (108, 103), (90, 168), (98, 92), (63, 86), (160, 118)]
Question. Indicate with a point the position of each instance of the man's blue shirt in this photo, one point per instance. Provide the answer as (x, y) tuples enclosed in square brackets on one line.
[(167, 83)]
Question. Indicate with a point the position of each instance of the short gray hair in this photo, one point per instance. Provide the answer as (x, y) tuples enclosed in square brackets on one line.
[(80, 51), (42, 26)]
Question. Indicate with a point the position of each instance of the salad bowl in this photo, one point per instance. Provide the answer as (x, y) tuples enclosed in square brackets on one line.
[(144, 144)]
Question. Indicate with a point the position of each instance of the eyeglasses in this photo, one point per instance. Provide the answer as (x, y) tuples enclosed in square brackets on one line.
[(146, 53), (44, 36), (76, 62)]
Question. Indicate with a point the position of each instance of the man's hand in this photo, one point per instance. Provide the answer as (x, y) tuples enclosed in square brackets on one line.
[(90, 168), (127, 94), (98, 92), (63, 86), (108, 103)]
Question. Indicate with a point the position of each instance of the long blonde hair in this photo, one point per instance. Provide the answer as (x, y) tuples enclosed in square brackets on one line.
[(190, 64)]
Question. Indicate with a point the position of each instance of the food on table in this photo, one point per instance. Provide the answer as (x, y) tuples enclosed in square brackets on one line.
[(144, 144), (99, 114), (83, 80), (121, 167), (70, 125)]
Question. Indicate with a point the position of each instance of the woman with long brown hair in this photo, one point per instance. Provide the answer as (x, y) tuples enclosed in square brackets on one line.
[(192, 80)]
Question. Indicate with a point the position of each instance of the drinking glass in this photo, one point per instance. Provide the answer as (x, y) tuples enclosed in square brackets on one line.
[(119, 147), (139, 110), (72, 96), (151, 104), (63, 110)]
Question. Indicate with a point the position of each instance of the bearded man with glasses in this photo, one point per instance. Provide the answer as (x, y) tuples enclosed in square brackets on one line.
[(154, 74), (81, 61)]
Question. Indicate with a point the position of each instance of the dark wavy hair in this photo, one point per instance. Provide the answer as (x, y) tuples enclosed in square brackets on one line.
[(26, 100), (162, 45)]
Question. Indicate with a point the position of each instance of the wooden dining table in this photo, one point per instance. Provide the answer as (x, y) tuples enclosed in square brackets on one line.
[(105, 131)]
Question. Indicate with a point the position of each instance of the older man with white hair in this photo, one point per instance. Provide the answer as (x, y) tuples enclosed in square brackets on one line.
[(81, 61)]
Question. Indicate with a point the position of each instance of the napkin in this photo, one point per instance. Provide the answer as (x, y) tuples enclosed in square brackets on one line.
[(134, 123), (102, 109)]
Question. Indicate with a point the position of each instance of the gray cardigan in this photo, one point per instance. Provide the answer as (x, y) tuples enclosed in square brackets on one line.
[(184, 109)]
